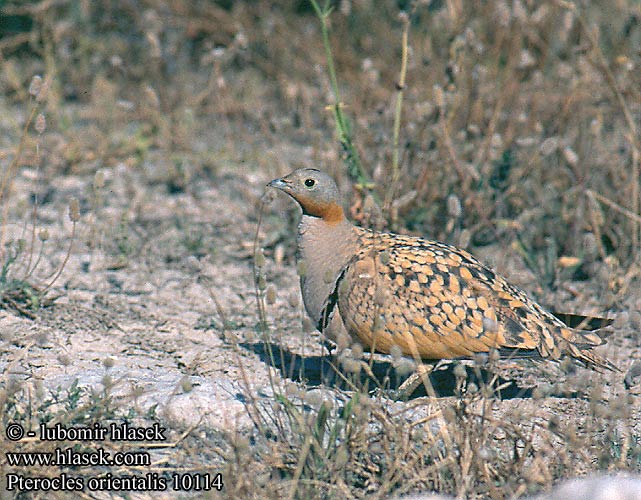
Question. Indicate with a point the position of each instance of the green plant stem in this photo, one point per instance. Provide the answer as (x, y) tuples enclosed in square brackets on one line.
[(352, 158), (397, 116)]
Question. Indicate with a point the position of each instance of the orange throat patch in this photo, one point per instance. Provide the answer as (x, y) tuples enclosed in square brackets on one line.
[(332, 213)]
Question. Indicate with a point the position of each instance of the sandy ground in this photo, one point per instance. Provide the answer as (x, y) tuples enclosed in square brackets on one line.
[(136, 304)]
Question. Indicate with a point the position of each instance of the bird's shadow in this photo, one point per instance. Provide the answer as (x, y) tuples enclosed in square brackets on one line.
[(323, 370)]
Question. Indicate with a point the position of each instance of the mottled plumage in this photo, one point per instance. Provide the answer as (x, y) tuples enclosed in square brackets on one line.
[(432, 300)]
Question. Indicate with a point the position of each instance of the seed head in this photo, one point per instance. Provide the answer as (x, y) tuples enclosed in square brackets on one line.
[(35, 85), (186, 385), (380, 296), (351, 365), (464, 238), (404, 367), (314, 398), (270, 295), (99, 180), (259, 260), (279, 254), (64, 359), (357, 351), (294, 300), (41, 123), (44, 90), (460, 371), (570, 156), (490, 325), (454, 206), (74, 210), (342, 341), (108, 362), (439, 96)]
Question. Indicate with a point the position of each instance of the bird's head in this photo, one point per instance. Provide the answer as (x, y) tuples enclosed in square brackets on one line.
[(315, 191)]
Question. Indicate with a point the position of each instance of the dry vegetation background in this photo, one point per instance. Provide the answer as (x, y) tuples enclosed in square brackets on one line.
[(132, 180)]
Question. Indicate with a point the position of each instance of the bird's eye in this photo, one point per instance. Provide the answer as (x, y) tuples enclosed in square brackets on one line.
[(310, 182)]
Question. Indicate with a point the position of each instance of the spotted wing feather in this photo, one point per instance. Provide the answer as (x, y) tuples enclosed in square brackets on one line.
[(436, 301)]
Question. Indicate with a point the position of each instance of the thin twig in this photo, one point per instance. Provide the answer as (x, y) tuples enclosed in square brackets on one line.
[(64, 262), (614, 206), (299, 467), (255, 417), (465, 172), (5, 186)]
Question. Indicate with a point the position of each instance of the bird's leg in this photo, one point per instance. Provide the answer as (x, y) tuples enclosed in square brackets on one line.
[(329, 359), (328, 344)]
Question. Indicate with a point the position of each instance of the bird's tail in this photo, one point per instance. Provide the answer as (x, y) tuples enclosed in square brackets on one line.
[(580, 322), (579, 344)]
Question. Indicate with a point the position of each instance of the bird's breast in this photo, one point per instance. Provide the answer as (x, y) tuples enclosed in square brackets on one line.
[(323, 251)]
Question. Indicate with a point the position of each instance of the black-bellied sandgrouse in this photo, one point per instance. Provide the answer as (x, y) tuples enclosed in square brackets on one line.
[(432, 300)]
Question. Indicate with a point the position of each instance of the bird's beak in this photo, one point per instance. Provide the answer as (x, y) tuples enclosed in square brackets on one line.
[(280, 184)]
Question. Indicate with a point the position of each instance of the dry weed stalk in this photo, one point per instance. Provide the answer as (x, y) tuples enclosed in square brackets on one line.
[(632, 136), (17, 291)]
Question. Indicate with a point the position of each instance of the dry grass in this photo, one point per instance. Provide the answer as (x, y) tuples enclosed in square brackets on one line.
[(508, 125)]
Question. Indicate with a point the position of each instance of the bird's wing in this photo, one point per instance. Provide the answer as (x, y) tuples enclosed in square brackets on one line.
[(436, 301)]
